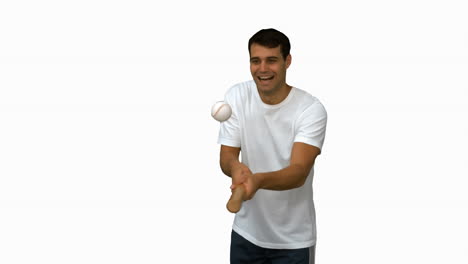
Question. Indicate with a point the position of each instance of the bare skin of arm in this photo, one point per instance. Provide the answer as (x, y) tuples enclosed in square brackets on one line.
[(302, 160), (229, 159)]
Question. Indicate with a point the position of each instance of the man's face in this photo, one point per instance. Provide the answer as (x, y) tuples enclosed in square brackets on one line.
[(268, 68)]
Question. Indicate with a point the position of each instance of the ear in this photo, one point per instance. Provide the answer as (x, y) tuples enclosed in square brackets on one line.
[(288, 60)]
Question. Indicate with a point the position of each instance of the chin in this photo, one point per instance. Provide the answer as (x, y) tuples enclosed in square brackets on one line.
[(266, 88), (263, 88)]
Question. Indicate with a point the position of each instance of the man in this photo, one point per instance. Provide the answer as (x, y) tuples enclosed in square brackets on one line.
[(279, 129)]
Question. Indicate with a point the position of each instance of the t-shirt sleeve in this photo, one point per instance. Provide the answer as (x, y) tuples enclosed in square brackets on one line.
[(229, 130), (311, 125)]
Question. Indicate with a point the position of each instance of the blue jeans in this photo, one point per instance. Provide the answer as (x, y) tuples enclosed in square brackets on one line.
[(244, 252)]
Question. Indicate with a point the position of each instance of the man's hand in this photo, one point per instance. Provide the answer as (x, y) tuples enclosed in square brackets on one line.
[(241, 175), (239, 172)]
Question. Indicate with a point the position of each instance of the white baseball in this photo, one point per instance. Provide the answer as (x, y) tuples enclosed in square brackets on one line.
[(221, 111)]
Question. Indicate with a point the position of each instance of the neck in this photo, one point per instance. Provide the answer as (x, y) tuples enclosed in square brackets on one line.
[(275, 97)]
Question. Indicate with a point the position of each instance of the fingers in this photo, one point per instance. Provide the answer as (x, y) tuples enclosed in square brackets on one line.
[(242, 176)]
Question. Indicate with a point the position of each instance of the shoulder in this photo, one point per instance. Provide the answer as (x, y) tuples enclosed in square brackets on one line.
[(241, 88), (240, 91), (309, 103)]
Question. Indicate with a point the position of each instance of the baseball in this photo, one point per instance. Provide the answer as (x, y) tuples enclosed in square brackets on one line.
[(221, 111)]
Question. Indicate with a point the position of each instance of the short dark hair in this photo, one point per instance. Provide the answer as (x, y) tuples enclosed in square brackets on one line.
[(271, 38)]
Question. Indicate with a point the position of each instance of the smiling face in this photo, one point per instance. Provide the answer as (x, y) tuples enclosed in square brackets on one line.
[(268, 69)]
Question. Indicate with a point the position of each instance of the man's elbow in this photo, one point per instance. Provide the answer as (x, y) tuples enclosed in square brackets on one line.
[(301, 181), (303, 173)]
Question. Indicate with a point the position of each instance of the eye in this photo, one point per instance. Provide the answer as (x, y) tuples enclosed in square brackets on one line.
[(254, 61), (272, 60)]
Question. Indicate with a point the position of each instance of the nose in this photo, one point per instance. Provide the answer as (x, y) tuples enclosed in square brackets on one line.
[(263, 66)]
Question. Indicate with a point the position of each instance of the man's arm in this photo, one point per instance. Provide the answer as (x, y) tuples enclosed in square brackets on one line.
[(239, 172), (302, 159), (228, 158)]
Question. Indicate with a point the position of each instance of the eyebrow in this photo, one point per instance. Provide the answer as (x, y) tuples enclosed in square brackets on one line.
[(269, 57)]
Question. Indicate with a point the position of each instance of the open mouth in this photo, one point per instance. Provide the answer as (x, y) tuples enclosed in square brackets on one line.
[(265, 78)]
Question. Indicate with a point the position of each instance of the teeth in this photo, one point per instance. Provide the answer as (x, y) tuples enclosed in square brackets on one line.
[(265, 78)]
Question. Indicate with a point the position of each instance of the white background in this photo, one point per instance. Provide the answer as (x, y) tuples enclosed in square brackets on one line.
[(108, 151)]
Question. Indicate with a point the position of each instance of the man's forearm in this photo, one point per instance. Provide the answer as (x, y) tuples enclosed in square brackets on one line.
[(227, 162), (291, 177)]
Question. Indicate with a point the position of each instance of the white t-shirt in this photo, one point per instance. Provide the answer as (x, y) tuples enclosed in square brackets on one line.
[(266, 133)]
